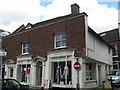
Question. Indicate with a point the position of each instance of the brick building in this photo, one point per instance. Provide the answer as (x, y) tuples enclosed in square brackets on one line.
[(46, 51)]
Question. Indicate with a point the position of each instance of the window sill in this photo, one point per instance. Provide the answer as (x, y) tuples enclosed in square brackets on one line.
[(115, 56), (24, 53), (60, 47), (89, 81), (62, 86)]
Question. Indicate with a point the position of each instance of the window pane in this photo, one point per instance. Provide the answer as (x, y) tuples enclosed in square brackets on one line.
[(26, 45), (63, 36), (90, 71), (64, 43), (58, 44), (115, 66), (114, 50), (24, 51), (57, 37), (25, 48)]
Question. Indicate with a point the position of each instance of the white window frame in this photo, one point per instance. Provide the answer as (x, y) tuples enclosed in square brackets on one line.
[(115, 50), (25, 48), (90, 74), (59, 40)]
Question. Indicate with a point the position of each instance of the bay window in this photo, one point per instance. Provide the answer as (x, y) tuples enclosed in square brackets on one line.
[(62, 73)]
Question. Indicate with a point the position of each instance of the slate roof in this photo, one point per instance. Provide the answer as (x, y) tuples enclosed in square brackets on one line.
[(111, 35), (46, 22)]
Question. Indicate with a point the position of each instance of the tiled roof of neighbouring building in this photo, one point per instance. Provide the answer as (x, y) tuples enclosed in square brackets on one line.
[(111, 35)]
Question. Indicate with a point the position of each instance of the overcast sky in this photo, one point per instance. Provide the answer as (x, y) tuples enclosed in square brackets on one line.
[(102, 16)]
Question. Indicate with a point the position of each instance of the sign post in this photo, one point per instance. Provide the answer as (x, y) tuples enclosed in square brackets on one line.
[(2, 69), (77, 67), (3, 53)]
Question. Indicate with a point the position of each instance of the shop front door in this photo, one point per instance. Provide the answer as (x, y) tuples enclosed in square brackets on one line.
[(39, 73), (3, 71), (99, 74)]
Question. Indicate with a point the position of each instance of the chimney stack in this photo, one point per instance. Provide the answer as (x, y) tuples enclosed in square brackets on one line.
[(75, 9)]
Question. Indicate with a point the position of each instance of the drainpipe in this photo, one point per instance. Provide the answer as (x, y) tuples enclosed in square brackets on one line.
[(119, 29)]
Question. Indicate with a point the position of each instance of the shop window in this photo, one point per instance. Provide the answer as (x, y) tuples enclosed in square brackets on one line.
[(62, 73), (114, 50), (60, 40), (25, 48), (25, 73), (90, 71)]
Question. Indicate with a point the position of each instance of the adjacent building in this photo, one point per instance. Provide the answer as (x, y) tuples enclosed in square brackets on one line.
[(3, 33), (112, 38), (46, 52)]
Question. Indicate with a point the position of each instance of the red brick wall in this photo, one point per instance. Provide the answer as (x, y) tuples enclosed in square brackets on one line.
[(42, 39)]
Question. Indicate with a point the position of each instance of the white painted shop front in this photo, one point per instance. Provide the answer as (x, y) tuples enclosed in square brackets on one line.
[(26, 70), (60, 71), (57, 69)]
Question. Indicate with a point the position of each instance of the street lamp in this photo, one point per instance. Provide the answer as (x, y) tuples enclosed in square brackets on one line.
[(2, 52)]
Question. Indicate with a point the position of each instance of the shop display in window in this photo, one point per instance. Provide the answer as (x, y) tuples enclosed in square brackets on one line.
[(90, 71), (62, 73), (25, 73)]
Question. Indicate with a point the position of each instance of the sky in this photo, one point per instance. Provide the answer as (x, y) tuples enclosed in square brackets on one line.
[(102, 14)]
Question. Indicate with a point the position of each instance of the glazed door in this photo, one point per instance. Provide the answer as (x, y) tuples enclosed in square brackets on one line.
[(39, 73)]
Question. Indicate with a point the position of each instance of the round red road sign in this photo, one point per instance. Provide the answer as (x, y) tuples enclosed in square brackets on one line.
[(77, 66)]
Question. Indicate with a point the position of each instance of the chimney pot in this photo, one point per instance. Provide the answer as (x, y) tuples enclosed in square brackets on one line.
[(75, 9)]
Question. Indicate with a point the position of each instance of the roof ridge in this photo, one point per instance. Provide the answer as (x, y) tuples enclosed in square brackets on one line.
[(108, 31)]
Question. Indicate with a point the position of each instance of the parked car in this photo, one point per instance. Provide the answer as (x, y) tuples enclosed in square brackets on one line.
[(12, 84), (114, 76)]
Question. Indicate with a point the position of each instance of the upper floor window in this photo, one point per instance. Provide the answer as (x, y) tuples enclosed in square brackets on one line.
[(114, 50), (25, 48), (60, 40)]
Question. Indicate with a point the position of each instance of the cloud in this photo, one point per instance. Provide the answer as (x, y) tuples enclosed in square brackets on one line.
[(17, 12), (13, 13), (108, 0), (100, 17)]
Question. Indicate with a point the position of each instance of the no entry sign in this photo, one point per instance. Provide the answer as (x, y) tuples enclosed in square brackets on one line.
[(77, 66)]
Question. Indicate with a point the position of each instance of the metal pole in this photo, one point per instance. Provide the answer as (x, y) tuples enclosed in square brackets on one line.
[(66, 71), (78, 85), (0, 55), (77, 79), (0, 67)]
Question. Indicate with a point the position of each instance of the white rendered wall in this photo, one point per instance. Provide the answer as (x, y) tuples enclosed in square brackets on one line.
[(98, 50)]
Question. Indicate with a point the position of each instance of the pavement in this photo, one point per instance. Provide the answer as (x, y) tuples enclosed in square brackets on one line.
[(98, 88)]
